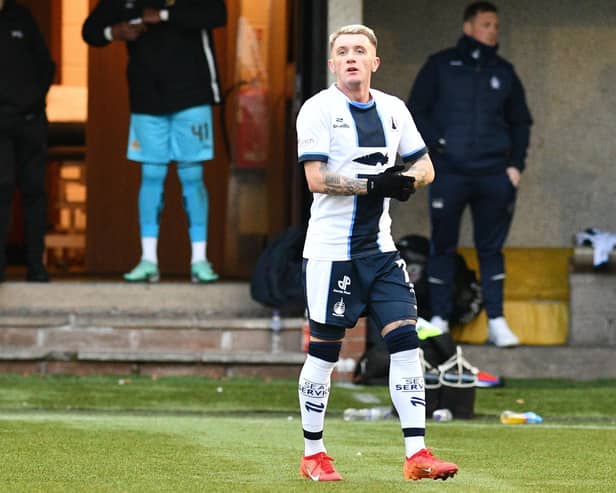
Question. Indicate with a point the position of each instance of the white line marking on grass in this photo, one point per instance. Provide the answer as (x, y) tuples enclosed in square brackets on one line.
[(606, 426)]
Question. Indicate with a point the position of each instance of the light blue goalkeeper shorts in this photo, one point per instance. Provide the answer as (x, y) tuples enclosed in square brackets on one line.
[(186, 135)]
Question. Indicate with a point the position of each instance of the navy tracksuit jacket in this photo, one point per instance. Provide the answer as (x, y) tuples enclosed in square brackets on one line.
[(470, 108)]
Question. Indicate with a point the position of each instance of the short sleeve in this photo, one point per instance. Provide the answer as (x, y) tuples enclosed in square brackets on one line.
[(313, 133), (412, 145)]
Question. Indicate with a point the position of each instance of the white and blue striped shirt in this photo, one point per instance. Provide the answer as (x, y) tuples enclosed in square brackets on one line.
[(355, 140)]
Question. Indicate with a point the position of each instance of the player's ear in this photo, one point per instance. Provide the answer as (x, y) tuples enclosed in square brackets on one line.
[(330, 64), (467, 27), (376, 63)]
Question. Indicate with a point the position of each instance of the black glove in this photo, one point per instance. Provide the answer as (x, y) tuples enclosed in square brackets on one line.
[(390, 183)]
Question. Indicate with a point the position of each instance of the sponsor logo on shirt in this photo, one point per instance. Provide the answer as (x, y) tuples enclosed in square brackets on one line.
[(340, 123), (307, 142)]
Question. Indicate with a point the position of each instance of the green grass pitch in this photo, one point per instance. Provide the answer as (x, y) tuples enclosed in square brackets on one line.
[(185, 434)]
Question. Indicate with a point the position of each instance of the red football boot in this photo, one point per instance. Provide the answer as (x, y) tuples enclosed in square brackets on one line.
[(424, 465)]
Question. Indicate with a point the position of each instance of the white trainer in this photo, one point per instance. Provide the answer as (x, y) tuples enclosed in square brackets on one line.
[(500, 334), (441, 324)]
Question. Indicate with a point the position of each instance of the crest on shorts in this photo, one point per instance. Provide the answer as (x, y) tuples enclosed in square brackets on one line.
[(339, 308)]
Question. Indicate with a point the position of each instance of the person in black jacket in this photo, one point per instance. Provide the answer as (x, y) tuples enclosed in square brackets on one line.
[(27, 71), (470, 108), (173, 83)]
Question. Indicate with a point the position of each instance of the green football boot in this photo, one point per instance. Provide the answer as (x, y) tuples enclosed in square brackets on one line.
[(201, 272), (145, 271)]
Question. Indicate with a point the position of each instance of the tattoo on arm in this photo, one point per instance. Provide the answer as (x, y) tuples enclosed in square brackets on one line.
[(336, 184), (419, 172)]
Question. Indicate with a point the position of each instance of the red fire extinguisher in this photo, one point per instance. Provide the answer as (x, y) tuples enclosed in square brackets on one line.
[(252, 137)]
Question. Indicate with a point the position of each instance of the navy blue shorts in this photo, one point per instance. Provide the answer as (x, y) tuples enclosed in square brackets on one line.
[(337, 293)]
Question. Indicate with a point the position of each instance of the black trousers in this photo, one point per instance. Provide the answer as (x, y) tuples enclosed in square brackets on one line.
[(23, 159), (491, 200)]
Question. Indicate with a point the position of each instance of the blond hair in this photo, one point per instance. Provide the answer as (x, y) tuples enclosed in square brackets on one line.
[(353, 29)]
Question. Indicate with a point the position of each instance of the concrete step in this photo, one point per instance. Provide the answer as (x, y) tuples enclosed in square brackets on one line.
[(212, 364), (223, 335), (86, 326), (583, 259), (593, 309), (113, 299), (213, 330), (523, 362), (577, 363)]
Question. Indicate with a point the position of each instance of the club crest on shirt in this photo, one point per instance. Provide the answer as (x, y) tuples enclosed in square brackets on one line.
[(495, 83)]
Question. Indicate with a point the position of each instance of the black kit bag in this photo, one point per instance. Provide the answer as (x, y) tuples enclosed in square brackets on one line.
[(449, 378), (467, 298), (277, 278), (458, 380), (373, 366), (415, 251), (448, 390)]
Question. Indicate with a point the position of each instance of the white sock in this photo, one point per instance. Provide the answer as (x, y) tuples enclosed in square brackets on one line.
[(406, 387), (314, 387), (149, 247), (198, 251)]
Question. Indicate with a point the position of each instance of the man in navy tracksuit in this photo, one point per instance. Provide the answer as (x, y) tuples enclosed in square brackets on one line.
[(470, 108), (26, 72)]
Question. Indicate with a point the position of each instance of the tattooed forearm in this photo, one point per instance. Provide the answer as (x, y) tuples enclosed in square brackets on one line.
[(422, 171), (336, 184)]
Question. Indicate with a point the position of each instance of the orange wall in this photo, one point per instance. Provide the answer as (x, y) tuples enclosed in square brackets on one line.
[(74, 50)]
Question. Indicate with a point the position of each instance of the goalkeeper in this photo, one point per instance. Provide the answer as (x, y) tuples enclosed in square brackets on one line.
[(173, 84), (348, 139)]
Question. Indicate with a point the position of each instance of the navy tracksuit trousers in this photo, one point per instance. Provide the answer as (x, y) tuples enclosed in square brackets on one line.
[(491, 199)]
